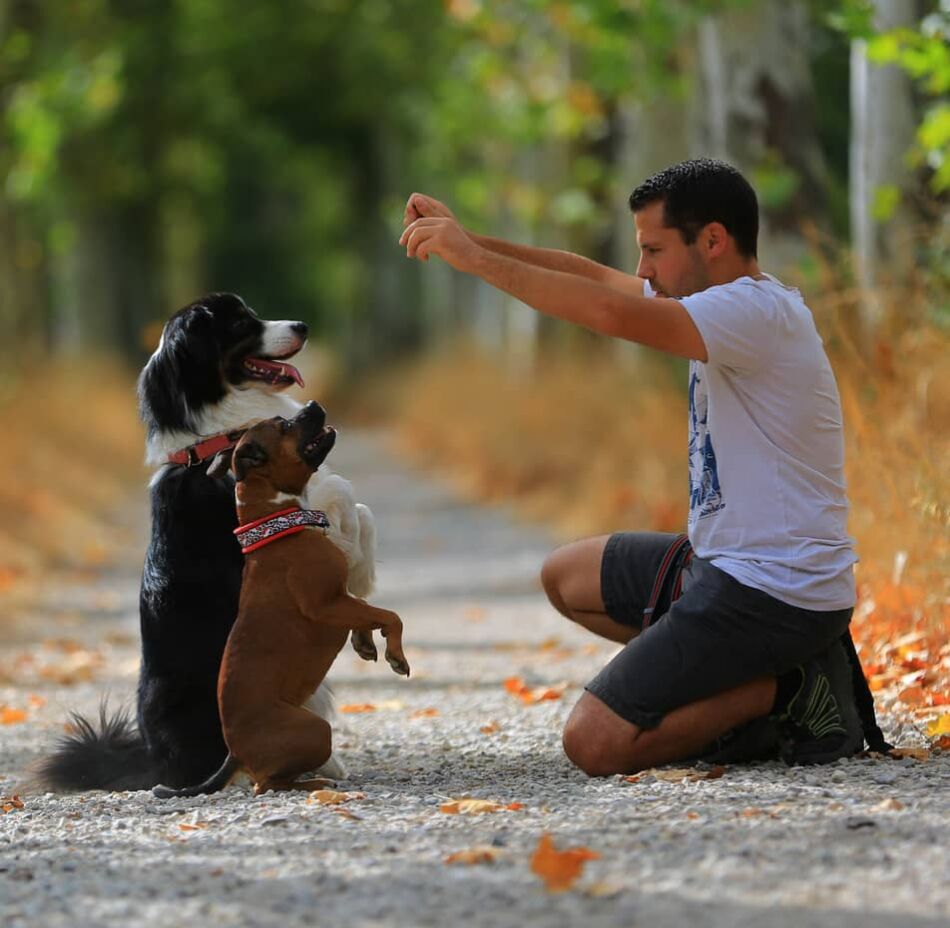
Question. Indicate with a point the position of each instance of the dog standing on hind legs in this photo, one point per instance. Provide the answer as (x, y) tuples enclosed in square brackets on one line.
[(294, 616), (218, 368)]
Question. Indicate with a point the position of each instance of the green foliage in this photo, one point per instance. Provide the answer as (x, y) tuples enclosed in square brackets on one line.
[(924, 53)]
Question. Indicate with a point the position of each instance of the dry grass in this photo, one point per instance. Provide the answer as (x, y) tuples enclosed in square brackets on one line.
[(72, 457)]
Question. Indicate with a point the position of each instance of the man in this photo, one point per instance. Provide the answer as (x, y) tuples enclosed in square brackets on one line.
[(749, 655)]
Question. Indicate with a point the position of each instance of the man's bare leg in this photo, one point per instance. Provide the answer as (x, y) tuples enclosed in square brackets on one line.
[(571, 579), (601, 743)]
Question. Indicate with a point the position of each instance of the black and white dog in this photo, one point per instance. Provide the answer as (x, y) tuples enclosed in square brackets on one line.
[(218, 368)]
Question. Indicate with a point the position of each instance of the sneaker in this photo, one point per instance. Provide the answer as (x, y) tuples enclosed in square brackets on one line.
[(821, 724), (757, 740)]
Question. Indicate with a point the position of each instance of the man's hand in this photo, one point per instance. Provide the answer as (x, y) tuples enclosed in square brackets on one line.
[(440, 236), (419, 206)]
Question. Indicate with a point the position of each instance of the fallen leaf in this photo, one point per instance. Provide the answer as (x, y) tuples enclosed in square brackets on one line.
[(602, 889), (476, 807), (10, 716), (358, 707), (888, 805), (10, 803), (198, 826), (481, 854), (490, 728), (424, 713), (332, 797), (346, 813), (391, 704), (939, 726), (517, 687), (921, 754), (559, 869), (678, 774)]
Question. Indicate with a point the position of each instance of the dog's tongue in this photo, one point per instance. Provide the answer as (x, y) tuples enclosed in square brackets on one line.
[(279, 368)]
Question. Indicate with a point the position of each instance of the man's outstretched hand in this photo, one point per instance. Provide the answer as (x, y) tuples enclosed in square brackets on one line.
[(442, 236), (420, 206)]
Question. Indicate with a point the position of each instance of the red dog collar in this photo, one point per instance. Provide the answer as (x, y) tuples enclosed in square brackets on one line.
[(262, 532), (206, 448)]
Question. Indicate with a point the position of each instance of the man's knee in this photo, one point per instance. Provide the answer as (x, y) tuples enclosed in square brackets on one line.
[(597, 741), (552, 577)]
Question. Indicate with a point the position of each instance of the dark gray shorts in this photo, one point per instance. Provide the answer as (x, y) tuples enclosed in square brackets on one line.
[(717, 635)]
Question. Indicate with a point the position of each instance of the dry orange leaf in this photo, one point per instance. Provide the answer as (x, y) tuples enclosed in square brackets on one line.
[(490, 728), (939, 726), (332, 797), (198, 826), (346, 813), (358, 707), (477, 807), (482, 854), (10, 803), (678, 774), (424, 713), (517, 687), (921, 754), (559, 869), (10, 716)]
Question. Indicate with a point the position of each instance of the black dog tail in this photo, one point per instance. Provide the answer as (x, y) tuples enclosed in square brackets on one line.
[(113, 757), (216, 781)]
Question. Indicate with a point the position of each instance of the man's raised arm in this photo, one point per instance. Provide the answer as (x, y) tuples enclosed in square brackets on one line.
[(658, 323), (421, 206)]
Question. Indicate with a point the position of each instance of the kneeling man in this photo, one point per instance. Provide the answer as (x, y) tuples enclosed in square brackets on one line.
[(736, 638)]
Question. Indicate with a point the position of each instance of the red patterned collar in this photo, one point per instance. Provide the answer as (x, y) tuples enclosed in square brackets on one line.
[(262, 532), (206, 448)]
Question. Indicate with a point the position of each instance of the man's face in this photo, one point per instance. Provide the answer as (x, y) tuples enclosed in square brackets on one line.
[(672, 267)]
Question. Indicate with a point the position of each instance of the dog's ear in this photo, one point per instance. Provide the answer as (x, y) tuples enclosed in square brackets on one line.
[(250, 454), (222, 461)]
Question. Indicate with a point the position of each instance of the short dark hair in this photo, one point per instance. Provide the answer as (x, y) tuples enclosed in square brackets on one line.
[(695, 193)]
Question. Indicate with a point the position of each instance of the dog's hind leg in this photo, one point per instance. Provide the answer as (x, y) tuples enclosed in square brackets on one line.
[(297, 742)]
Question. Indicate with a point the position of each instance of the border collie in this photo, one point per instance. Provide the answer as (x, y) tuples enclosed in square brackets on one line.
[(218, 367)]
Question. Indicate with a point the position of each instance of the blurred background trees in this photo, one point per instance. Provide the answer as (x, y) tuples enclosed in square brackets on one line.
[(151, 152)]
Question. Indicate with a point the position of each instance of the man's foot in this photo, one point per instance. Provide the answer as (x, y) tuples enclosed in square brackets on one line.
[(820, 723), (756, 740)]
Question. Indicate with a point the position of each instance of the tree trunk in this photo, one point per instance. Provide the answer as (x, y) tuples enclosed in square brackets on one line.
[(753, 106), (882, 126)]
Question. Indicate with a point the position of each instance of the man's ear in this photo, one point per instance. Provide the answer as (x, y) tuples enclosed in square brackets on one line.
[(716, 239), (222, 461), (249, 454)]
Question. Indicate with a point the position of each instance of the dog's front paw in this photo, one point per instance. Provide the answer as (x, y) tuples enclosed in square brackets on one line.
[(364, 646), (398, 663)]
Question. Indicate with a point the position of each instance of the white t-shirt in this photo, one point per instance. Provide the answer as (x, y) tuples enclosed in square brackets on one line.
[(768, 503)]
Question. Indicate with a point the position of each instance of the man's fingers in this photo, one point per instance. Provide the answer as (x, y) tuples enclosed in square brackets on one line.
[(420, 223)]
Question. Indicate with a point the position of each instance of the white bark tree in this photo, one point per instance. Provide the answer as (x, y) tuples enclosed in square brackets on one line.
[(882, 129)]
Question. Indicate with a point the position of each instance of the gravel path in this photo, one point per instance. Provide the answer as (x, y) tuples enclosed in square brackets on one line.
[(863, 843)]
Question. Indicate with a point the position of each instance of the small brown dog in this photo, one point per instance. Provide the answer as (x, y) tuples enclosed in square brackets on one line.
[(294, 615)]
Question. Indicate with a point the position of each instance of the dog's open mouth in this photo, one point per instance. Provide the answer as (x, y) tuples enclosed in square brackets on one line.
[(273, 371), (320, 443)]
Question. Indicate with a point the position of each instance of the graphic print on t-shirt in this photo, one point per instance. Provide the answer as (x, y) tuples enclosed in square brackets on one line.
[(705, 496)]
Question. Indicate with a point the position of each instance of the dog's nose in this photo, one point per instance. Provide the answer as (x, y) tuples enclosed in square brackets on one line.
[(312, 409), (300, 328)]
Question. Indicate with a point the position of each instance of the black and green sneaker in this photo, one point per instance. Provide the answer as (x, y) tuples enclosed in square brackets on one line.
[(821, 723)]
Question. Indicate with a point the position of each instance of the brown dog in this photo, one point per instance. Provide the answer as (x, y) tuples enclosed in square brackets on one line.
[(294, 615)]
